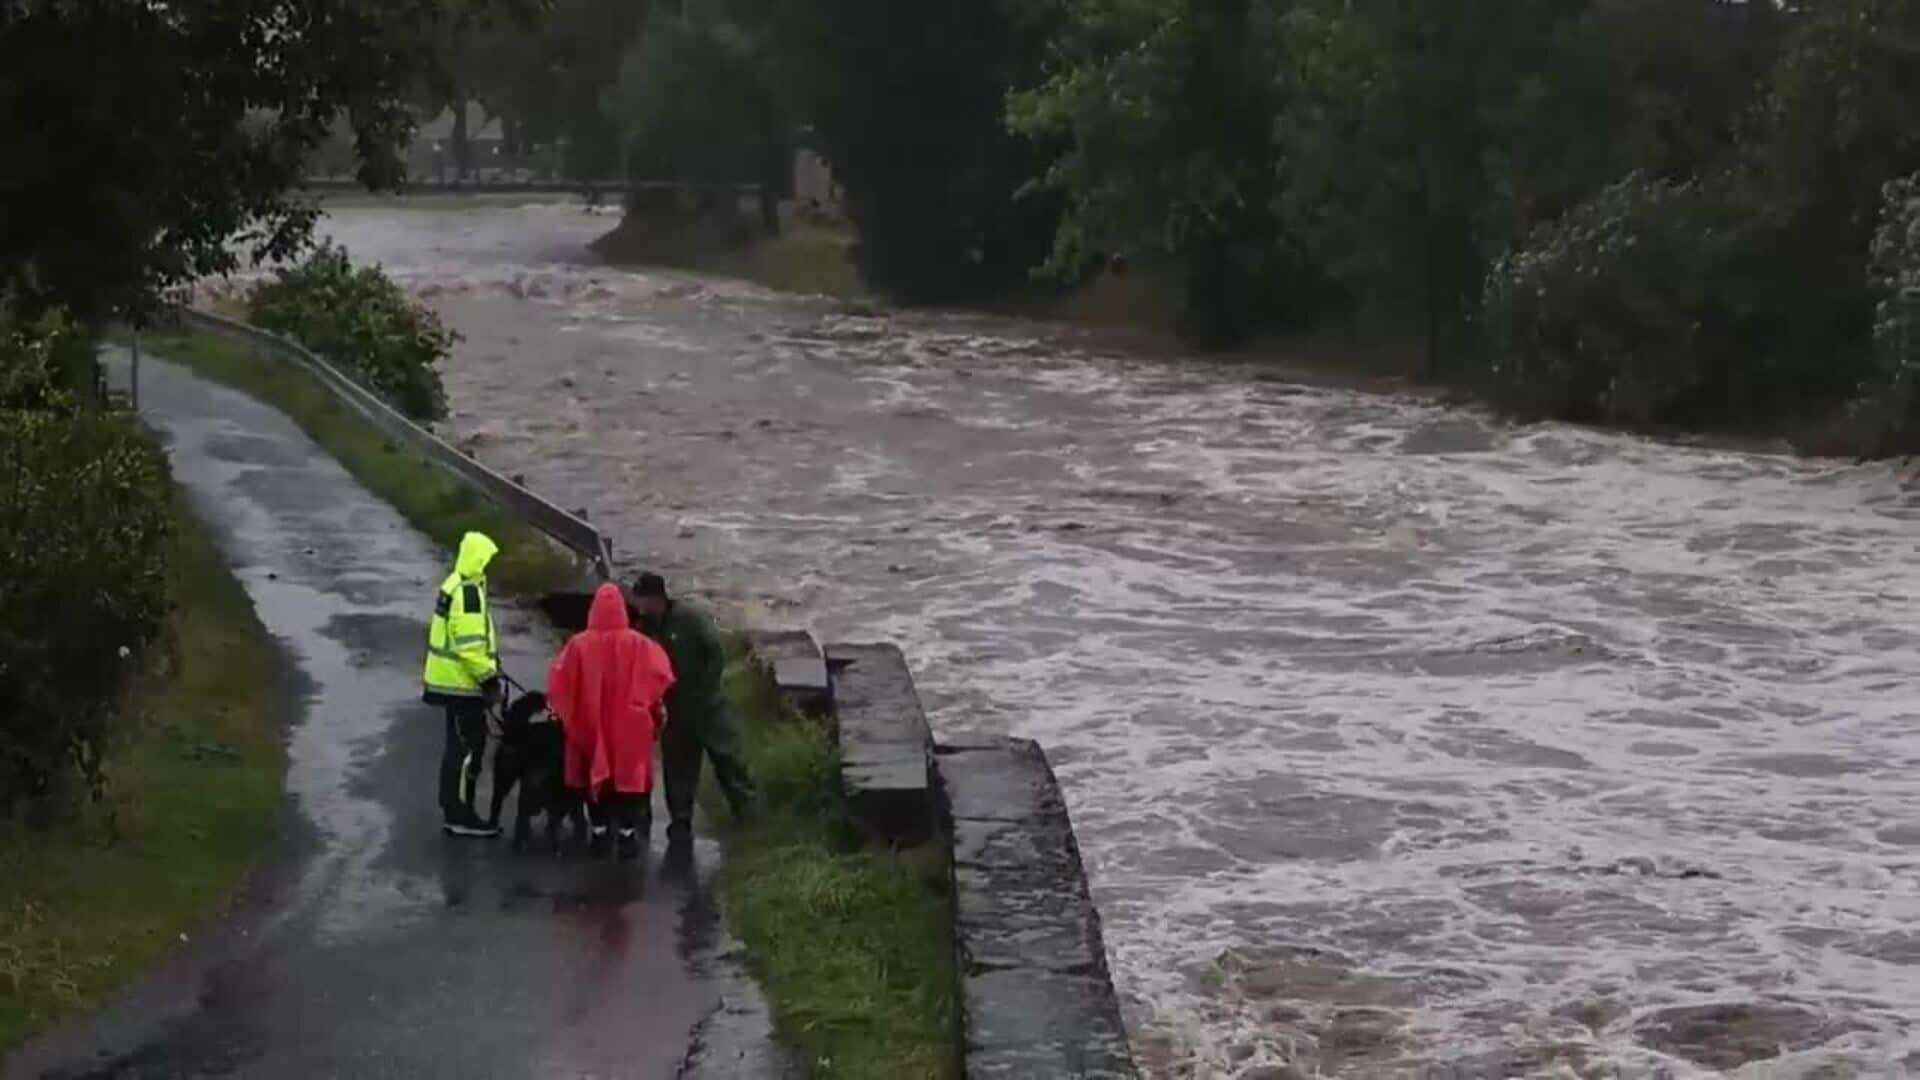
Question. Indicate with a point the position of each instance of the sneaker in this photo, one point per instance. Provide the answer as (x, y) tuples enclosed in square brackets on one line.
[(468, 824), (602, 840), (629, 845)]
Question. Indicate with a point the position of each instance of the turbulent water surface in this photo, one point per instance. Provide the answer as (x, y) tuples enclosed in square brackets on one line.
[(1399, 742)]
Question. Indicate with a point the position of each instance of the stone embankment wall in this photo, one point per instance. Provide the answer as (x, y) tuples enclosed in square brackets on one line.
[(1034, 991)]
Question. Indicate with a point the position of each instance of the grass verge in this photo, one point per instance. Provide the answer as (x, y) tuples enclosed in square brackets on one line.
[(810, 259), (193, 792), (854, 947), (528, 564), (806, 257)]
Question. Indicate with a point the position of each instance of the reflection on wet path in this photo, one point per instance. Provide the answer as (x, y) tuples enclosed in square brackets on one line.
[(1396, 739)]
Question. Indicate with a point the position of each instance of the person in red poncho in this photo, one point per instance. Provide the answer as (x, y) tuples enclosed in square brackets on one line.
[(607, 687)]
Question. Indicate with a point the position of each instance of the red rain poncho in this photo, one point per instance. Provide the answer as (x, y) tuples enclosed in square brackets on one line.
[(607, 686)]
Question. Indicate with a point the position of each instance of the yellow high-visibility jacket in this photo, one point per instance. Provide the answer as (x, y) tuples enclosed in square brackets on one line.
[(461, 649)]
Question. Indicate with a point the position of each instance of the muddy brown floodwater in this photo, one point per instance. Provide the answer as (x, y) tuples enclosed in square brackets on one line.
[(1399, 742)]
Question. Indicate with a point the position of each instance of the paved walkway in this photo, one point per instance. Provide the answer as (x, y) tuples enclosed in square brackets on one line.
[(369, 945)]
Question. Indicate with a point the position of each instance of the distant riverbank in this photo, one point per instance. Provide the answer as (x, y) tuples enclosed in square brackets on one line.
[(1138, 311)]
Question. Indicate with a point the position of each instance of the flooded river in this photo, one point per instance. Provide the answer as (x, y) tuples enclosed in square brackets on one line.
[(1399, 742)]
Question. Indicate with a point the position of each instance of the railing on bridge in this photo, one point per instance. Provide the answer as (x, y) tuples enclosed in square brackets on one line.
[(567, 530), (480, 185)]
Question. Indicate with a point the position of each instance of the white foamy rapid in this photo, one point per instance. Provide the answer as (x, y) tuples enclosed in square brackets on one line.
[(1397, 742)]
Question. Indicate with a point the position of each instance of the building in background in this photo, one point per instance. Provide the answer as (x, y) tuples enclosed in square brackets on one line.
[(814, 189), (432, 155)]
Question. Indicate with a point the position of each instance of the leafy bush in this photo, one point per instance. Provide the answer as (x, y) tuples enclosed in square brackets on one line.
[(1635, 307), (46, 364), (1892, 398), (359, 319), (83, 554)]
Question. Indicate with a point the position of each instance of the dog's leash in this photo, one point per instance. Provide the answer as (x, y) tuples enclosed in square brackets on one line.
[(497, 717)]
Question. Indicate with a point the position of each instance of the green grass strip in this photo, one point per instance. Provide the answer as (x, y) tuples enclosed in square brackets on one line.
[(853, 946)]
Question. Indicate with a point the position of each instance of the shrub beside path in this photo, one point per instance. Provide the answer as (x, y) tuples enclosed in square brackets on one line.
[(368, 944)]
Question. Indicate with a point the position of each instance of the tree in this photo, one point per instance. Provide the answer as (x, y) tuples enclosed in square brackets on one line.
[(542, 73), (693, 105), (907, 100), (1636, 306), (1403, 167), (1834, 127), (1685, 76), (586, 41), (1166, 110), (143, 139)]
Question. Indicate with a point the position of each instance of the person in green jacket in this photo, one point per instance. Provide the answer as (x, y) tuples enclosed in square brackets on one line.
[(462, 676), (697, 715)]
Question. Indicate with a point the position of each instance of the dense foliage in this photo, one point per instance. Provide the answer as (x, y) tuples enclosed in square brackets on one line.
[(737, 134), (1896, 318), (83, 555), (542, 67), (1389, 165), (1165, 116), (146, 145), (359, 319), (1650, 211), (907, 101), (1666, 206), (1627, 307), (142, 140)]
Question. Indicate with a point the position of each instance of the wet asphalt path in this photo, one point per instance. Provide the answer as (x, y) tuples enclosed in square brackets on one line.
[(369, 945)]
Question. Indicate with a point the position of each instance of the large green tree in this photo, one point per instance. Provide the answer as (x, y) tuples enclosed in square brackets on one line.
[(907, 100), (1167, 113), (693, 105), (1406, 158), (142, 140), (1835, 125)]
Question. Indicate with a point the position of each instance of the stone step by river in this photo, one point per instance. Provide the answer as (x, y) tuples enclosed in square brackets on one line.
[(1035, 995), (798, 667), (886, 746)]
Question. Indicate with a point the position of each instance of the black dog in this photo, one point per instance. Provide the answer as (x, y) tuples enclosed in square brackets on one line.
[(532, 757)]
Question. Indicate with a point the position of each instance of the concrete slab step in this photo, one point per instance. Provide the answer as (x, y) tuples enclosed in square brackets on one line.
[(1036, 998), (798, 666), (886, 747)]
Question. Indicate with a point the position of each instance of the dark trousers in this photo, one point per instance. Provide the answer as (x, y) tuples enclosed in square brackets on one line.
[(465, 753), (626, 811), (685, 739)]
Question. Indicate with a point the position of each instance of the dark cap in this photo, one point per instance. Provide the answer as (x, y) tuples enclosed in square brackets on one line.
[(650, 585)]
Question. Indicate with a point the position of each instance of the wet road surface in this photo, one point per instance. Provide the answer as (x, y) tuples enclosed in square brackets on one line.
[(371, 945), (1399, 742)]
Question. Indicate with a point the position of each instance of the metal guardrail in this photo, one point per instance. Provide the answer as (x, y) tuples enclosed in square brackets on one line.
[(568, 531)]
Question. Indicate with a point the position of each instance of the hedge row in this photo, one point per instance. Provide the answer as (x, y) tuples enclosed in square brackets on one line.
[(83, 559)]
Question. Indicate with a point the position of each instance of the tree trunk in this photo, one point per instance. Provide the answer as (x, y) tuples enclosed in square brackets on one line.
[(462, 148), (770, 209), (1433, 274)]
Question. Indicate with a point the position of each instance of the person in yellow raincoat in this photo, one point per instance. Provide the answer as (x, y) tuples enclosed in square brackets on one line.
[(462, 676)]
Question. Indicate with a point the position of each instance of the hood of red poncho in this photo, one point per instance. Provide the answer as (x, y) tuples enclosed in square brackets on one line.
[(609, 610)]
